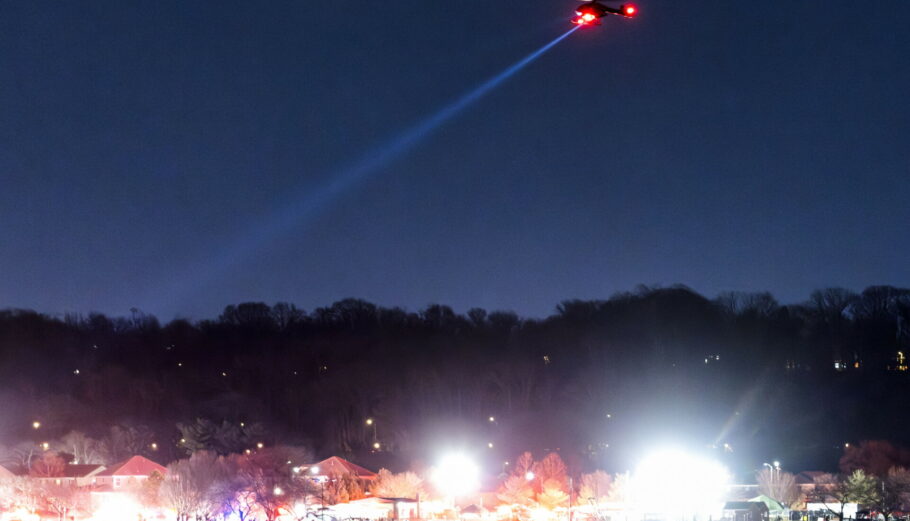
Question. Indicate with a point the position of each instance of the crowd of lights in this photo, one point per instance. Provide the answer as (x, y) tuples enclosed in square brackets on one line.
[(671, 483)]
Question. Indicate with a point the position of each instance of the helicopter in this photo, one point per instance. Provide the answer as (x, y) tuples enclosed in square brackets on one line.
[(590, 12)]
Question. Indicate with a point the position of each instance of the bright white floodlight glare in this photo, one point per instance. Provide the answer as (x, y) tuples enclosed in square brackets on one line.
[(679, 485), (456, 475), (116, 508)]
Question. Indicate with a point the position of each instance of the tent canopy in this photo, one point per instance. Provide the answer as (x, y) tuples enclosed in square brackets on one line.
[(772, 504)]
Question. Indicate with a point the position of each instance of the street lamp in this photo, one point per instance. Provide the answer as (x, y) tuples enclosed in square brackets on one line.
[(314, 470), (371, 423), (322, 496), (775, 472), (772, 466)]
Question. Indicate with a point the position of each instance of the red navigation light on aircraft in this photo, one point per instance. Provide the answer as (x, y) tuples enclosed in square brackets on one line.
[(592, 11), (585, 17), (588, 14)]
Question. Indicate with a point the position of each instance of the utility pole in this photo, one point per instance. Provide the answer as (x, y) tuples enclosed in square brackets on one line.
[(571, 493)]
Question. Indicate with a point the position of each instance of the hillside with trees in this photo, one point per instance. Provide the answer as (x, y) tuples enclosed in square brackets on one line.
[(597, 379)]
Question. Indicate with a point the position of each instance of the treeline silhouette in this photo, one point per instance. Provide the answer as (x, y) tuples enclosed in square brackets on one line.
[(597, 380)]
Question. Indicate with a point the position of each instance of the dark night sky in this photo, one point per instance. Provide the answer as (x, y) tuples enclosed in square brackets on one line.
[(724, 145)]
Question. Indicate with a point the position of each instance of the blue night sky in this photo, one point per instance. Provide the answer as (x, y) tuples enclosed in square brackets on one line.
[(172, 156)]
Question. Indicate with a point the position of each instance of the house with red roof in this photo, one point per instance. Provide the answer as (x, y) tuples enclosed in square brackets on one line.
[(127, 473), (79, 475), (335, 466)]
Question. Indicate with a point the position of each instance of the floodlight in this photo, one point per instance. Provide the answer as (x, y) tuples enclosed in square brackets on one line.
[(115, 507), (456, 475), (680, 485)]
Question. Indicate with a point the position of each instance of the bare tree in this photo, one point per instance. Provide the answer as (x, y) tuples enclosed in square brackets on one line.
[(224, 438), (149, 491), (876, 457), (85, 450), (7, 494), (268, 476), (178, 492), (64, 499), (193, 486), (516, 490), (48, 465), (837, 491), (523, 465), (894, 492), (27, 492), (124, 441), (21, 455), (595, 486), (779, 486), (403, 485), (830, 490), (261, 483), (553, 495), (832, 304), (340, 489), (619, 492), (744, 303), (551, 471)]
